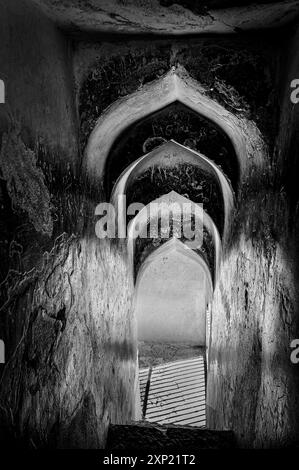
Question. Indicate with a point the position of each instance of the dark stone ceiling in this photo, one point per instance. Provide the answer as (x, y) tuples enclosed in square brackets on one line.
[(199, 6), (171, 17)]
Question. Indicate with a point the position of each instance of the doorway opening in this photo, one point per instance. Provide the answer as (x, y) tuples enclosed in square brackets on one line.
[(173, 291)]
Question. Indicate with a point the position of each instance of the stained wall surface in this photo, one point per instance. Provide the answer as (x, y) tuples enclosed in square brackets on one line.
[(252, 383), (65, 296)]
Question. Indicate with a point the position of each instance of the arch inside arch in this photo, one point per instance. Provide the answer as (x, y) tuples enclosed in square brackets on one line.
[(174, 122), (205, 222), (172, 153), (172, 293), (176, 85)]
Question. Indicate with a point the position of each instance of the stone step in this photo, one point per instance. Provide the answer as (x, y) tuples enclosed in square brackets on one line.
[(148, 436)]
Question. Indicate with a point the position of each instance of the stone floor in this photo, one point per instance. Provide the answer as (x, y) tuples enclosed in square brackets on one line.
[(154, 354)]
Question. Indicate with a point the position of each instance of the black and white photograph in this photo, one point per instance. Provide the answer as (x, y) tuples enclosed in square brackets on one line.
[(149, 231)]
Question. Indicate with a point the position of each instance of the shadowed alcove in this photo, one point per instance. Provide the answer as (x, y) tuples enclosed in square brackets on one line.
[(177, 122)]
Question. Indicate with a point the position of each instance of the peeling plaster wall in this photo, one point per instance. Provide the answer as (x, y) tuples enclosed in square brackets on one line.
[(71, 358), (65, 296), (288, 136), (252, 383), (36, 67)]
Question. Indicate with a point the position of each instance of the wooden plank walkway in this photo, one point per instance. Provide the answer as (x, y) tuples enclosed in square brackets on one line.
[(176, 392)]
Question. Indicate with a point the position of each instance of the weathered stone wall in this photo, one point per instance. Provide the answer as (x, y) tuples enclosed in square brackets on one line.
[(36, 68), (252, 384), (65, 296), (71, 347)]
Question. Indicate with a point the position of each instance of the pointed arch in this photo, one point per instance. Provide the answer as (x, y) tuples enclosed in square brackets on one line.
[(206, 222), (174, 307), (176, 85), (172, 152), (176, 246)]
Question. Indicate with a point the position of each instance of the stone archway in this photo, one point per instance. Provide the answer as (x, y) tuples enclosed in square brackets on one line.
[(173, 289), (142, 219), (172, 297), (172, 153), (176, 85)]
